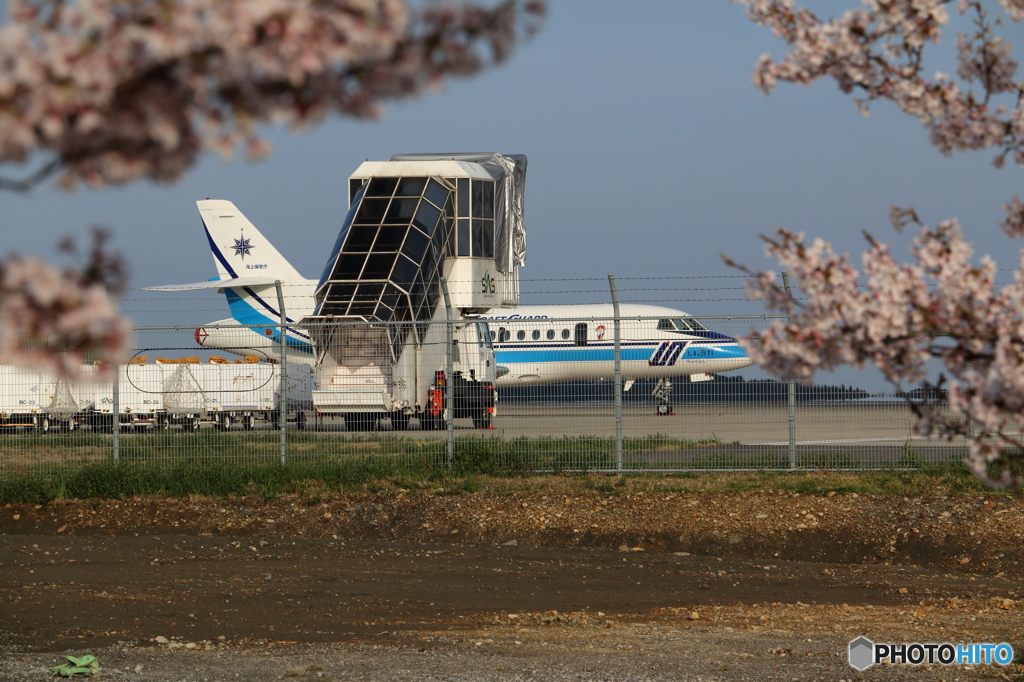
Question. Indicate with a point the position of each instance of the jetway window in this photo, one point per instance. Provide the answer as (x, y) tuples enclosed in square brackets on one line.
[(475, 231), (581, 334), (378, 265), (372, 211), (551, 334), (361, 237), (463, 237), (410, 187), (398, 232), (436, 193), (483, 238), (390, 237), (400, 211), (382, 187), (354, 185), (462, 185)]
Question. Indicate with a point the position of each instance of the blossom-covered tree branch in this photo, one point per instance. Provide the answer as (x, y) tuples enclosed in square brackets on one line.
[(110, 91), (942, 306)]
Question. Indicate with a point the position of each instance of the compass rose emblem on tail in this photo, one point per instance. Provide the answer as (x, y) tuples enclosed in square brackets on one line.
[(242, 246)]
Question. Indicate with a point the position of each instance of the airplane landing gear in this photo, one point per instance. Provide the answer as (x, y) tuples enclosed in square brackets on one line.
[(663, 392)]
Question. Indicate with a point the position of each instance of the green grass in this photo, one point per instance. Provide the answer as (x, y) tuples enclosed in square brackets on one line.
[(39, 469)]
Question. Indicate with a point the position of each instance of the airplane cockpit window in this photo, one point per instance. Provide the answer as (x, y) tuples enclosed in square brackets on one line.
[(666, 325), (689, 324)]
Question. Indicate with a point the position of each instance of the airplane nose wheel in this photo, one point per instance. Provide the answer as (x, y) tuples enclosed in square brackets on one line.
[(663, 392)]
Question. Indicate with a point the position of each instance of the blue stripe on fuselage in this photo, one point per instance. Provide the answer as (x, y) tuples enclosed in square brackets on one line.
[(243, 312), (571, 353)]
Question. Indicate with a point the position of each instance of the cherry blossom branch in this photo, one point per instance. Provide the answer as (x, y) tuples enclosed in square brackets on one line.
[(57, 319), (124, 89)]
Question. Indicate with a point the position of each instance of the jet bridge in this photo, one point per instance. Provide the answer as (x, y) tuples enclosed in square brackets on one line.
[(411, 220)]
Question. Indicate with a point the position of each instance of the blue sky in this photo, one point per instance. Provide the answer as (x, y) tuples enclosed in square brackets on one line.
[(650, 155)]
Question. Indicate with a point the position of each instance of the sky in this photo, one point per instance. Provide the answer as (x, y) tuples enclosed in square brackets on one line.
[(650, 155)]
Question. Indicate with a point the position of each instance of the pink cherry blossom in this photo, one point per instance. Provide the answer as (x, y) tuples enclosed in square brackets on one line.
[(943, 305), (111, 91)]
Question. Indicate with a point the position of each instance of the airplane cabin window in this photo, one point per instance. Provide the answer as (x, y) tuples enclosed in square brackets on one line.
[(521, 335), (505, 335), (536, 334), (664, 325), (551, 334), (565, 333)]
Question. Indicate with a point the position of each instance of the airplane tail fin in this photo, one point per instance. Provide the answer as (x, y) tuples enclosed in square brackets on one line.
[(239, 249)]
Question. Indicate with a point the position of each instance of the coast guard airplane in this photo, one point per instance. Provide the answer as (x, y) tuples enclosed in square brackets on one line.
[(532, 344), (247, 269)]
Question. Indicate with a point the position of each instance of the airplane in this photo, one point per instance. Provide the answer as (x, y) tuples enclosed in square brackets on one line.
[(248, 268), (547, 344), (532, 344)]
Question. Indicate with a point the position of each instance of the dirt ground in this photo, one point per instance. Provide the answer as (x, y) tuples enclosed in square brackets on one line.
[(507, 586)]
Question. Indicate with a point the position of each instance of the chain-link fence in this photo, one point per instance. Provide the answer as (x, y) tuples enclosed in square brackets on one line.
[(595, 393)]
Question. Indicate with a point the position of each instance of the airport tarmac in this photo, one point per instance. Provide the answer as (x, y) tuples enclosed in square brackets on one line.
[(695, 436)]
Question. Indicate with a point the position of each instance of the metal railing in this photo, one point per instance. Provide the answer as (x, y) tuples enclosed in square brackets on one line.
[(594, 403)]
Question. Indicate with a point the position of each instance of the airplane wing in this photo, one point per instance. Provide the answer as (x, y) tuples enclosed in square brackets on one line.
[(216, 284)]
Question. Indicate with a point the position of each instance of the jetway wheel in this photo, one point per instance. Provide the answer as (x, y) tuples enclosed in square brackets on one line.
[(400, 421), (664, 410), (429, 422), (360, 421)]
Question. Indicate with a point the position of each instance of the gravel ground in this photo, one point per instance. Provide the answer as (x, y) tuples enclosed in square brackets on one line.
[(495, 585)]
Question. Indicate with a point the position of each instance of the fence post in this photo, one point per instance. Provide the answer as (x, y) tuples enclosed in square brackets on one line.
[(448, 369), (282, 403), (115, 424), (790, 392), (617, 327)]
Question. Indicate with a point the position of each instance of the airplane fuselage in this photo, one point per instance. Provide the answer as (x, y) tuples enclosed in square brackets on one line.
[(547, 344)]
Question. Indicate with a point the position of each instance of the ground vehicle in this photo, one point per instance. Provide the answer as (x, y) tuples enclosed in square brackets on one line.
[(155, 396)]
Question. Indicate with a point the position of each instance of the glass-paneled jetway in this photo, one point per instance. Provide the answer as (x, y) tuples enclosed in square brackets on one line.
[(411, 221)]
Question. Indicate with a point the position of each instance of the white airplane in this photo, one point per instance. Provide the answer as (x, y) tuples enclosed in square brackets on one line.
[(547, 344), (248, 268), (532, 344)]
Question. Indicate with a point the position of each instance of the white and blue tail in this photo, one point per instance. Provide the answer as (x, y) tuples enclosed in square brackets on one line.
[(248, 268), (239, 249)]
